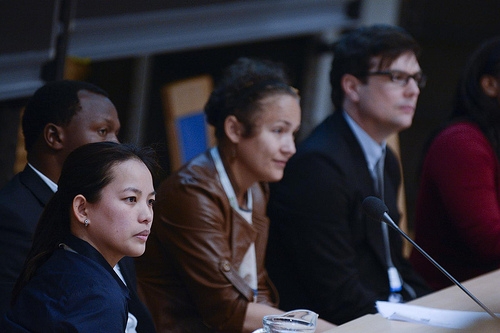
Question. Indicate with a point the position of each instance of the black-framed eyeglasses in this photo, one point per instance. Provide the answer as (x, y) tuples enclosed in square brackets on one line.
[(402, 78)]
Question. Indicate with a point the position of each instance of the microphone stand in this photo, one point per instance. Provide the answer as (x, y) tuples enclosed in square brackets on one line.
[(387, 218)]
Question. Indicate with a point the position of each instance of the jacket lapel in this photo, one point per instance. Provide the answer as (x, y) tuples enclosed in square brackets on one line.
[(41, 191), (365, 183)]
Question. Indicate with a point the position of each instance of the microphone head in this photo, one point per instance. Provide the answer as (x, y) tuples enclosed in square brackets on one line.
[(375, 208)]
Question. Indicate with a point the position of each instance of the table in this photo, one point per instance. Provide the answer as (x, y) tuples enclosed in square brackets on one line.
[(485, 287)]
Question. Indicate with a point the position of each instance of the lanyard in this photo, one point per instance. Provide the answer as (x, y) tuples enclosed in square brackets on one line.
[(395, 282), (226, 183), (248, 266)]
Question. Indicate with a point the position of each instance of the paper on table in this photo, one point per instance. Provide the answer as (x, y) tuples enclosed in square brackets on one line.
[(429, 316)]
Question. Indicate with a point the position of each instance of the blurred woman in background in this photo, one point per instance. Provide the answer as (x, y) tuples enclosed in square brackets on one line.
[(458, 206), (204, 270)]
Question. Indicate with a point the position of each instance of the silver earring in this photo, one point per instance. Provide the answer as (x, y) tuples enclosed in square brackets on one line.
[(86, 222)]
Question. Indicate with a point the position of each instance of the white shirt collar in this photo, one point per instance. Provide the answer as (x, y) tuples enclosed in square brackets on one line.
[(371, 148), (50, 183)]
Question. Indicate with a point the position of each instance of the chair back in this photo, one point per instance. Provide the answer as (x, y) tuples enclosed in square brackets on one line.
[(188, 133)]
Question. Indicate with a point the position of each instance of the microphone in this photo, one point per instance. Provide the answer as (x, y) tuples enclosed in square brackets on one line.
[(376, 209)]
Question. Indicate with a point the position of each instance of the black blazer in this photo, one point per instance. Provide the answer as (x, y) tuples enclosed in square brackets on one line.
[(324, 253), (22, 201)]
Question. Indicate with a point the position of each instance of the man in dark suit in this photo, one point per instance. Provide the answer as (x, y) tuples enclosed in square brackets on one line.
[(324, 253), (60, 117)]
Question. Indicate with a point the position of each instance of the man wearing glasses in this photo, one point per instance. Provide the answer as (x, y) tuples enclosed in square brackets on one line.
[(324, 253)]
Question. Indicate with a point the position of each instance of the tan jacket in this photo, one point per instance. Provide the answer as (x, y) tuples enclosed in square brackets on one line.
[(188, 275)]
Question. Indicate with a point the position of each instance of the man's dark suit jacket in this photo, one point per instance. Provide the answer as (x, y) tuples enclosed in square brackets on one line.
[(324, 253), (22, 201)]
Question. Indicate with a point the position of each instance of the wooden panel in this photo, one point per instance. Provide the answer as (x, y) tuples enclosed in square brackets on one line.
[(180, 99)]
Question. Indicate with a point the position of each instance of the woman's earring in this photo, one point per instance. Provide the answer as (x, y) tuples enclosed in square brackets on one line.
[(86, 222)]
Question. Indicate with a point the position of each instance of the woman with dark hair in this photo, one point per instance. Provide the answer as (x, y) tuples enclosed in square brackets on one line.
[(458, 206), (204, 270), (101, 212)]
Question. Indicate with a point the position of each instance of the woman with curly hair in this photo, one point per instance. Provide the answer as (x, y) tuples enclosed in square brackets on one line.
[(204, 267)]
